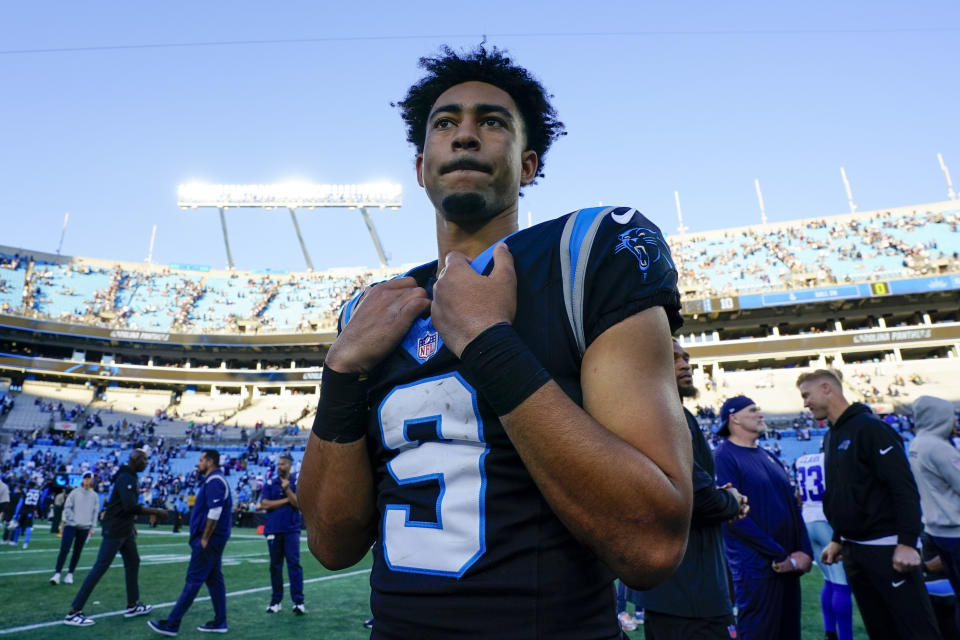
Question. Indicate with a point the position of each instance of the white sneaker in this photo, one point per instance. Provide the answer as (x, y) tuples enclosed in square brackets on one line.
[(25, 545), (626, 621), (77, 620), (138, 609), (299, 609), (55, 579), (68, 579), (274, 608)]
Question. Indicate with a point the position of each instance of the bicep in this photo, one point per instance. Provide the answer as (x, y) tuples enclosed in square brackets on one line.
[(629, 387)]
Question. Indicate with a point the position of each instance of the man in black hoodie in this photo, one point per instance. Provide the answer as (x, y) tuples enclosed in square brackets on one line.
[(872, 503), (694, 602), (119, 517)]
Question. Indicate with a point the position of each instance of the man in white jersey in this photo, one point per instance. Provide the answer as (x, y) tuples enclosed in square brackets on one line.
[(835, 601)]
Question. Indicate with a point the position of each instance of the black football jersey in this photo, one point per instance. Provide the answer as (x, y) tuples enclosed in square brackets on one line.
[(467, 546)]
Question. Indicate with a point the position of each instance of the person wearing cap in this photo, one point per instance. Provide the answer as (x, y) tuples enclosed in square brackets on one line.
[(80, 511), (279, 499), (768, 550), (872, 503)]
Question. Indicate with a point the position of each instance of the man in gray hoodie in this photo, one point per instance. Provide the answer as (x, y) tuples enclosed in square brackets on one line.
[(936, 465), (80, 511)]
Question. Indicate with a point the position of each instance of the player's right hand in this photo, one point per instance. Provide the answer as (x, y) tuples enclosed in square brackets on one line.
[(379, 321), (833, 552)]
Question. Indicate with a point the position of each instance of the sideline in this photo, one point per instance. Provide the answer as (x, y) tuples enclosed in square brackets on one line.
[(243, 592), (145, 560)]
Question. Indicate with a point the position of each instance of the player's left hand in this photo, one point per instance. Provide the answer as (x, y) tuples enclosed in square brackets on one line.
[(905, 558), (804, 562), (203, 543), (466, 303)]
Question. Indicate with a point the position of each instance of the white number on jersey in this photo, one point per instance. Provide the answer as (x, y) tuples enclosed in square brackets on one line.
[(453, 543)]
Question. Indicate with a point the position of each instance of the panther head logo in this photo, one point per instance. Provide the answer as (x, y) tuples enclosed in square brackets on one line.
[(646, 246)]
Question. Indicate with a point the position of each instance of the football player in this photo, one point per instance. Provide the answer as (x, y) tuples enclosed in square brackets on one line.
[(503, 423)]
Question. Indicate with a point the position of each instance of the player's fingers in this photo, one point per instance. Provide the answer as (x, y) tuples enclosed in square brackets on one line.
[(412, 306), (503, 268), (454, 259)]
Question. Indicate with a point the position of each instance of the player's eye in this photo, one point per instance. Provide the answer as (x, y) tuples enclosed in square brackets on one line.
[(442, 123), (491, 121)]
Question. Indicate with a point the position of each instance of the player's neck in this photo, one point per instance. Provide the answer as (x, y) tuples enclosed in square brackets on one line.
[(471, 241), (836, 410), (742, 439)]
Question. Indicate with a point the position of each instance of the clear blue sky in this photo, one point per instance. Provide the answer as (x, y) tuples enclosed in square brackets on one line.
[(699, 97)]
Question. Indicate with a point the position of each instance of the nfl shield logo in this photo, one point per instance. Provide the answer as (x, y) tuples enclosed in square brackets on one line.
[(427, 345)]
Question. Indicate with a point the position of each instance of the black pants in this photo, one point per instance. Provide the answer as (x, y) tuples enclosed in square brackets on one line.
[(71, 537), (894, 606), (56, 520), (663, 626), (131, 569)]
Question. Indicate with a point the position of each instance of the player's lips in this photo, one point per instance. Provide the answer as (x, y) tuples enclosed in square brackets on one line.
[(465, 164)]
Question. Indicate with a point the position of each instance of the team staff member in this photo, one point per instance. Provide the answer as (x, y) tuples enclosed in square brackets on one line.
[(279, 498), (80, 511), (936, 466), (871, 501), (210, 522), (507, 457), (769, 549), (119, 517), (694, 603)]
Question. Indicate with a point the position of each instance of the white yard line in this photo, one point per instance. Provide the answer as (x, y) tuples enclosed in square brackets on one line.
[(243, 592), (145, 560)]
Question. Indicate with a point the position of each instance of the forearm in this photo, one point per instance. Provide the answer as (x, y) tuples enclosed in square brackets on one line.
[(713, 506), (291, 498), (337, 501), (630, 511), (208, 530), (270, 505)]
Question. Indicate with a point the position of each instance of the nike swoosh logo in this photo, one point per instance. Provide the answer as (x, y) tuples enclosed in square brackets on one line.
[(898, 583), (623, 218), (884, 452)]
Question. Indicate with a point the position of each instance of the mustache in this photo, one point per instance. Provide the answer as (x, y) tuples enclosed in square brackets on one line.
[(465, 164)]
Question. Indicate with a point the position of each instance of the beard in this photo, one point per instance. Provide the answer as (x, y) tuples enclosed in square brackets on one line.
[(464, 206), (688, 391)]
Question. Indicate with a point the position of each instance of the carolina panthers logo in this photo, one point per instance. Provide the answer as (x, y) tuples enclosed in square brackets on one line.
[(646, 246)]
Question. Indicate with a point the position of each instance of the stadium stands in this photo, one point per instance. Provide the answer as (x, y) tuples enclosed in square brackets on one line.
[(863, 247)]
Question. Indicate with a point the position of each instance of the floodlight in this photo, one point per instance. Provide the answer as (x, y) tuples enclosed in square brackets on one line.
[(293, 195)]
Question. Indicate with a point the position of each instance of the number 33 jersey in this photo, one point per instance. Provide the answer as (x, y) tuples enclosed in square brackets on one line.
[(467, 546), (810, 482)]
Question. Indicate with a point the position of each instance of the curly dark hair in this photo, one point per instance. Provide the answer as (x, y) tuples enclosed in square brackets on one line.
[(493, 67)]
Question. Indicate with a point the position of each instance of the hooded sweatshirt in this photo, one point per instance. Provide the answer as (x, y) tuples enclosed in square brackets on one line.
[(936, 465), (81, 508)]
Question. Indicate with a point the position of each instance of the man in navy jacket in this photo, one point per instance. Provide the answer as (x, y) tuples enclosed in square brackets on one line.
[(279, 498)]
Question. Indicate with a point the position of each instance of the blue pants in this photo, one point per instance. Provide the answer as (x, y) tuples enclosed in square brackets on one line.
[(76, 537), (768, 606), (131, 569), (285, 545), (204, 568)]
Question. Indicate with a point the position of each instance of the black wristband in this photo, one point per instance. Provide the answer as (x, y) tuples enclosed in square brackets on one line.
[(342, 410), (502, 368)]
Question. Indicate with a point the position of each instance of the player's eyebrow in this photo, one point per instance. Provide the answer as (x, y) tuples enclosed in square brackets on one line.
[(478, 108)]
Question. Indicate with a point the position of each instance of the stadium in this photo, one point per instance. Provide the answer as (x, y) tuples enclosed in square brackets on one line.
[(97, 356), (283, 159)]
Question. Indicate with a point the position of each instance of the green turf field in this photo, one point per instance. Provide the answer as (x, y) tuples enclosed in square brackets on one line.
[(337, 602)]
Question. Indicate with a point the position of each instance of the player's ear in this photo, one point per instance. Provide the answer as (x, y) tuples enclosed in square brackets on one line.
[(420, 169), (529, 165)]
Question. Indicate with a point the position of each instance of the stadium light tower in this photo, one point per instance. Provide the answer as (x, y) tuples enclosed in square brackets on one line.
[(681, 230), (946, 174), (763, 211), (846, 185), (293, 196)]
